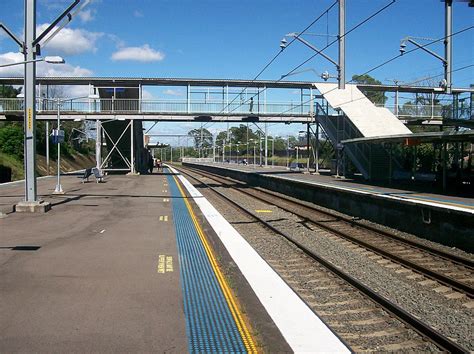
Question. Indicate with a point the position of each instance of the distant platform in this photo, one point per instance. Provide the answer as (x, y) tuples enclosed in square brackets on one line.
[(429, 215)]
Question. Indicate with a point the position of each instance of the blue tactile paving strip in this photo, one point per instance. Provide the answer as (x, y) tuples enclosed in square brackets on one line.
[(210, 325)]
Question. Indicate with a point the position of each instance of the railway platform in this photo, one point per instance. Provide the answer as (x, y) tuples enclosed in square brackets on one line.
[(141, 264), (441, 218)]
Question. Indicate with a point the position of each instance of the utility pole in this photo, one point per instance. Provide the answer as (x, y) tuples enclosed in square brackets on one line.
[(448, 48), (31, 47), (266, 145), (47, 146), (223, 150), (342, 45), (287, 151), (30, 99), (98, 144)]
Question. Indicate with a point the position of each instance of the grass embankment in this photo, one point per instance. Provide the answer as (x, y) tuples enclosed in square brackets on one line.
[(13, 163), (76, 162)]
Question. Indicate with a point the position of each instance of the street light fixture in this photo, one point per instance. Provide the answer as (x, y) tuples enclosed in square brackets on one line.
[(59, 137), (49, 59), (31, 47)]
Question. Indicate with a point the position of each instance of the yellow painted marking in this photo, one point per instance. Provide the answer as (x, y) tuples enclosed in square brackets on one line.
[(169, 263), (263, 211), (30, 119), (161, 264), (164, 218), (165, 264), (234, 309)]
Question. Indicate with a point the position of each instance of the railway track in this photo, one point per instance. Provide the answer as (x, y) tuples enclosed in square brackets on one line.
[(447, 269), (344, 296)]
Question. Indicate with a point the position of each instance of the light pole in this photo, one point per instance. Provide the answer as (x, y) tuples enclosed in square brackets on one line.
[(238, 143), (287, 151), (254, 155), (59, 188), (59, 136), (273, 152), (31, 47), (30, 181)]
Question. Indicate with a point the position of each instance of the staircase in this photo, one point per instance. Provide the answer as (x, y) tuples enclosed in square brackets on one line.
[(357, 118)]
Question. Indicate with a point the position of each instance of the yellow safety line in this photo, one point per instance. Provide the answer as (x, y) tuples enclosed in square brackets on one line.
[(234, 309)]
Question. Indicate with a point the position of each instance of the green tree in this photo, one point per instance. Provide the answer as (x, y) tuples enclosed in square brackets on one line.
[(237, 134), (11, 140), (9, 91), (202, 138), (377, 97)]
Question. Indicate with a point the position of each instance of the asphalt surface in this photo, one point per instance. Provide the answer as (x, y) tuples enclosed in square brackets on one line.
[(85, 276)]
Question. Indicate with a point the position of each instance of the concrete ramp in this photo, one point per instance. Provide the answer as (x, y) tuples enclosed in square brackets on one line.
[(365, 116)]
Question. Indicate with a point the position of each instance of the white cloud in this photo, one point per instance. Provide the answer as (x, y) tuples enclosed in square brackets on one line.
[(71, 41), (86, 15), (77, 91), (147, 95), (173, 92), (114, 38), (137, 13), (42, 68), (143, 54)]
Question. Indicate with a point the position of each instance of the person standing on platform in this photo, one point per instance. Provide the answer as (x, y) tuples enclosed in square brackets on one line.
[(150, 163)]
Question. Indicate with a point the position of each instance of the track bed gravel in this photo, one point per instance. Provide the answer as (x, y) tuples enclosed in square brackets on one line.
[(346, 311)]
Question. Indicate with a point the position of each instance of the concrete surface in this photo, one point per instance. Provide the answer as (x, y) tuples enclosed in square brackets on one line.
[(444, 219), (83, 277)]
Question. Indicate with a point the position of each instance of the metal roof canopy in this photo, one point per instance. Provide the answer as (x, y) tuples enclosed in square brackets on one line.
[(134, 82), (417, 138)]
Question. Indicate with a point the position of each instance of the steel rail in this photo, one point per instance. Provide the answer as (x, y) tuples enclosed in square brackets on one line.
[(443, 279), (417, 325), (433, 251)]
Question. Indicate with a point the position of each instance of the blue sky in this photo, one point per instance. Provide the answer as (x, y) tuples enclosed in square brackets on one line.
[(235, 39)]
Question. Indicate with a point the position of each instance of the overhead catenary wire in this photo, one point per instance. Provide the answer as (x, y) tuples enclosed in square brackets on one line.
[(389, 61), (279, 53), (438, 75), (327, 46)]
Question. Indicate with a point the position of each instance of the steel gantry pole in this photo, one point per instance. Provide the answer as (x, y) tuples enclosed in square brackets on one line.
[(31, 47), (47, 146), (266, 144), (59, 188), (30, 98), (342, 45), (98, 144), (448, 48), (132, 148)]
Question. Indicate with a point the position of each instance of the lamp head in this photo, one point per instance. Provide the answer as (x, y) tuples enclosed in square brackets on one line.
[(54, 60)]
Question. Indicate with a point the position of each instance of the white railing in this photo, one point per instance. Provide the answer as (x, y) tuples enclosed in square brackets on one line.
[(131, 106), (212, 107)]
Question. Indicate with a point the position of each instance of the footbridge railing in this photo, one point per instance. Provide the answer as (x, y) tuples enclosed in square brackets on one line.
[(131, 106)]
